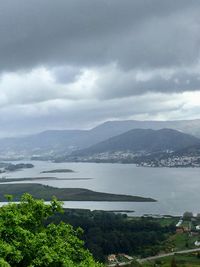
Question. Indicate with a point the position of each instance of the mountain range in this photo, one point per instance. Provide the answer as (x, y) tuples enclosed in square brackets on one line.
[(64, 142), (143, 140)]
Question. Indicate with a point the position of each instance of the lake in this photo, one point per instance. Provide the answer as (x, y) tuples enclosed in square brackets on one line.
[(176, 189)]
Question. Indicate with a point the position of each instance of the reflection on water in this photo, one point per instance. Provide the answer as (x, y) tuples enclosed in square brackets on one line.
[(176, 189)]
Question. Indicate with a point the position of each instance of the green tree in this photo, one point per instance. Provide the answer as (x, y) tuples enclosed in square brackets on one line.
[(187, 215), (26, 240)]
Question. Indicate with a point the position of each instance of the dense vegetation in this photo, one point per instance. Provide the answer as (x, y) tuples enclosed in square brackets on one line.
[(74, 194), (26, 241), (106, 232)]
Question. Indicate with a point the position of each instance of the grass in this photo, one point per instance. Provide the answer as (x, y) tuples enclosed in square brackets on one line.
[(182, 241), (166, 221)]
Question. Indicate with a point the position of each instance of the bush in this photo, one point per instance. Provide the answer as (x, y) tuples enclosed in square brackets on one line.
[(26, 241)]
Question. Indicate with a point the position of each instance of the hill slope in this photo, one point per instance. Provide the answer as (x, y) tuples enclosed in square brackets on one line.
[(146, 140)]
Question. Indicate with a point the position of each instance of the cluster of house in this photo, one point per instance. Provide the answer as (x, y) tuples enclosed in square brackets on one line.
[(109, 156), (193, 231), (182, 161)]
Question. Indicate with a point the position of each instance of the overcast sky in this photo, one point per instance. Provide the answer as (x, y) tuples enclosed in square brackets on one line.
[(75, 63)]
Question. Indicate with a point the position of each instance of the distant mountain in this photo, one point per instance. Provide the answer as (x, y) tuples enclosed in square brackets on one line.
[(45, 142), (143, 140), (112, 128), (63, 142)]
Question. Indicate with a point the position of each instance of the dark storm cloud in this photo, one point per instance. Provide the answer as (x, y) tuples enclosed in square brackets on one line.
[(116, 83), (75, 63), (132, 33)]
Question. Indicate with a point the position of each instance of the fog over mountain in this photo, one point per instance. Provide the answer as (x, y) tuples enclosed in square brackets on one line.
[(73, 64)]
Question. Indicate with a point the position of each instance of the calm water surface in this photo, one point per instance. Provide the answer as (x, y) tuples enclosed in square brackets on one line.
[(176, 189)]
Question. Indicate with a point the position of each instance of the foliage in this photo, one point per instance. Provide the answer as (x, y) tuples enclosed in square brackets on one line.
[(187, 215), (26, 241), (107, 233)]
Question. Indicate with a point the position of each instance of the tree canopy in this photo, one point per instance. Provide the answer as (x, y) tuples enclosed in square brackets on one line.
[(26, 239)]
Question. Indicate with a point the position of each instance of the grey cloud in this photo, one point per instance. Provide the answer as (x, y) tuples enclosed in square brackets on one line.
[(66, 74), (117, 83), (55, 114), (92, 51), (93, 32)]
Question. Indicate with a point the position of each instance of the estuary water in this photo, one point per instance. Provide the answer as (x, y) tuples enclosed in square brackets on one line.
[(176, 189)]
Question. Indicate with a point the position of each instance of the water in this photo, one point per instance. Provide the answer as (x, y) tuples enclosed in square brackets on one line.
[(176, 189)]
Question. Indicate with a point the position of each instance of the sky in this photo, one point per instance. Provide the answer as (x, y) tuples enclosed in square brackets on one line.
[(73, 64)]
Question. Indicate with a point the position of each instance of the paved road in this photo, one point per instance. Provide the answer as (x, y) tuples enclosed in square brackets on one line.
[(168, 254), (158, 256), (119, 264)]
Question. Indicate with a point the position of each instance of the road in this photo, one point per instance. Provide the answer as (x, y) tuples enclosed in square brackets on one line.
[(157, 257), (119, 264), (169, 254)]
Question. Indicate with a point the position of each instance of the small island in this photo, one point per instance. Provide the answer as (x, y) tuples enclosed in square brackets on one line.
[(64, 194), (10, 167), (58, 171)]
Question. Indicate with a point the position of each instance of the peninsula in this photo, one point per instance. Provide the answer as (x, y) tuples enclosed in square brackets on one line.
[(64, 194)]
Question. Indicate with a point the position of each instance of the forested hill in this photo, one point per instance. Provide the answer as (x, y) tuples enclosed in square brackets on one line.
[(146, 140)]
